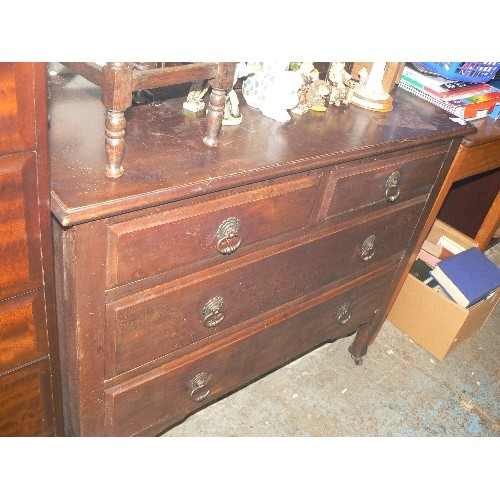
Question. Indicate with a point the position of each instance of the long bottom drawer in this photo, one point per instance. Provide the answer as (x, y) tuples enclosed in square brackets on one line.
[(167, 394)]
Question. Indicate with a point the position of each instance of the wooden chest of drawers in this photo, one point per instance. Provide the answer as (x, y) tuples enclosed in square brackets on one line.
[(202, 269), (29, 377)]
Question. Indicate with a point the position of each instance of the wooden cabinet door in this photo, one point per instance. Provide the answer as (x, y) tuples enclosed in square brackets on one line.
[(25, 402), (17, 126), (21, 269)]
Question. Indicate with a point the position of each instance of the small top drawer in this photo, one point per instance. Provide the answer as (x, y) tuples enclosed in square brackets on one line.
[(142, 247), (382, 181)]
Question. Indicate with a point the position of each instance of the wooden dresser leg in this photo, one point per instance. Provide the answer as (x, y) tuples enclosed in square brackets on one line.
[(361, 342), (115, 143)]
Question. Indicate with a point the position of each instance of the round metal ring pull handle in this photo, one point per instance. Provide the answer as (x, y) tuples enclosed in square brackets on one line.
[(214, 312), (392, 187), (227, 232), (368, 248), (200, 387), (344, 313)]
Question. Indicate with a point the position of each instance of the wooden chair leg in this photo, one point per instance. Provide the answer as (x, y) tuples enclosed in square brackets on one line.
[(116, 97), (215, 114), (222, 84), (115, 143)]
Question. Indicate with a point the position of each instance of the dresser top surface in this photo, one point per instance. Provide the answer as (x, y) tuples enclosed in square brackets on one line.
[(488, 130), (166, 160)]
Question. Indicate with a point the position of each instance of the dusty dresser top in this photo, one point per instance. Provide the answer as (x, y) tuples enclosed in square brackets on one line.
[(166, 160)]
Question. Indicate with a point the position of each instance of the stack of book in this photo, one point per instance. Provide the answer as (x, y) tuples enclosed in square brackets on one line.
[(465, 100), (467, 277)]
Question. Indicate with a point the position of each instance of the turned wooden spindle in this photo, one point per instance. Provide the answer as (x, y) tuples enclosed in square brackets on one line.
[(221, 85), (115, 143), (116, 97)]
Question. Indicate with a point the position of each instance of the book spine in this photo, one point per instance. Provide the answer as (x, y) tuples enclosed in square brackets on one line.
[(467, 92), (459, 111), (479, 89), (441, 85), (419, 80), (427, 97)]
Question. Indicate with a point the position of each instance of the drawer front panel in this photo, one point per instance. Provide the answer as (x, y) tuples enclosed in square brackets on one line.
[(25, 402), (23, 330), (19, 226), (147, 325), (17, 127), (168, 393), (389, 181), (170, 239)]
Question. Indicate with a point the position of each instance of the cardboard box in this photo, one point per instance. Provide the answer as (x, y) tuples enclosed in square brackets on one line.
[(432, 320)]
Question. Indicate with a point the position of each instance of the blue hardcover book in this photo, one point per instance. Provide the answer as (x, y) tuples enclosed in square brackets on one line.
[(467, 277)]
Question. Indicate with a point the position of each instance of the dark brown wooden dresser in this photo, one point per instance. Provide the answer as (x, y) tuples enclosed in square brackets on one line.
[(201, 269), (29, 379)]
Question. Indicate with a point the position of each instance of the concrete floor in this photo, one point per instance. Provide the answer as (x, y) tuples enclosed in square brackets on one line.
[(399, 390)]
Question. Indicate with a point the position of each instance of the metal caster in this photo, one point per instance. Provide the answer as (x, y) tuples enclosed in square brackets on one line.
[(357, 361)]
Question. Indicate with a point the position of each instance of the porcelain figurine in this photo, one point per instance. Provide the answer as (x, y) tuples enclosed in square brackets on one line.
[(232, 115), (309, 74), (317, 94), (342, 85), (282, 95), (370, 94), (273, 89), (256, 85), (194, 101)]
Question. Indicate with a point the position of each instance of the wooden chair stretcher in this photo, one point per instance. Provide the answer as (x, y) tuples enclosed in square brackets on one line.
[(118, 81)]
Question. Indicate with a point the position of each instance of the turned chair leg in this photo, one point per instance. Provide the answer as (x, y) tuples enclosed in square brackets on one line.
[(222, 84), (215, 114), (115, 143), (117, 97)]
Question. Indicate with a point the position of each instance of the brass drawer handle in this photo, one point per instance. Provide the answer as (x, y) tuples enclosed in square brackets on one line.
[(227, 231), (199, 386), (392, 187), (213, 312), (344, 313), (368, 248)]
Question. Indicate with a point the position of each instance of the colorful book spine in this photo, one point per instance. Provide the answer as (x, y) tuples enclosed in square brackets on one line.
[(458, 111), (436, 83), (475, 89)]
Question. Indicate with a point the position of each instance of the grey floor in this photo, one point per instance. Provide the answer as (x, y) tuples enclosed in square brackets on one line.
[(399, 390)]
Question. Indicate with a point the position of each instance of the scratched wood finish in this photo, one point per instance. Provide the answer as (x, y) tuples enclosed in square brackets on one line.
[(132, 334), (368, 187), (118, 80), (166, 160), (169, 239), (164, 393), (155, 322), (30, 402)]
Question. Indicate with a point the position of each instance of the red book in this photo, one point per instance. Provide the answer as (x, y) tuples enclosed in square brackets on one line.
[(473, 104), (478, 88)]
